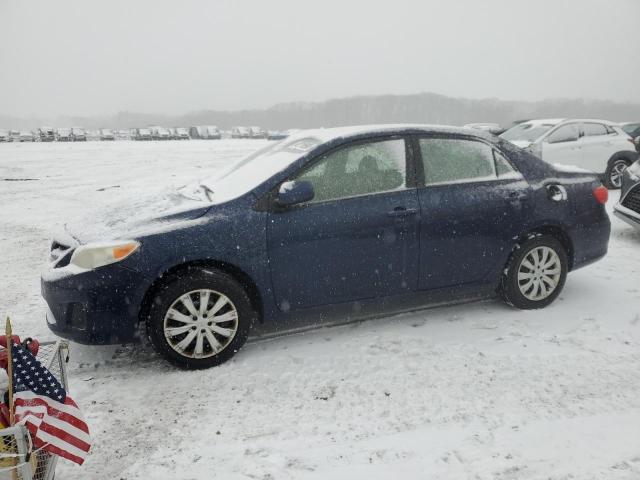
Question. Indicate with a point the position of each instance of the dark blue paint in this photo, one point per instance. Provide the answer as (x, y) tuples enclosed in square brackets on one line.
[(347, 258)]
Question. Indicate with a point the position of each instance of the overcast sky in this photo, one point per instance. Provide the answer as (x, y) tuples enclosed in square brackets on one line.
[(154, 56)]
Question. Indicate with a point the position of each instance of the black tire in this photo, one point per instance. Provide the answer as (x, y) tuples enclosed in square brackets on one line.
[(610, 174), (190, 280), (510, 288)]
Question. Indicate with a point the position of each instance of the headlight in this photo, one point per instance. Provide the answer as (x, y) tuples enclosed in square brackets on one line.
[(94, 255), (634, 170)]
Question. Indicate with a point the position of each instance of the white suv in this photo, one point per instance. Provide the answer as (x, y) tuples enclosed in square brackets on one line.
[(596, 145)]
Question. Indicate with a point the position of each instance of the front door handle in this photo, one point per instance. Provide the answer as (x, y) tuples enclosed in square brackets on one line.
[(402, 212)]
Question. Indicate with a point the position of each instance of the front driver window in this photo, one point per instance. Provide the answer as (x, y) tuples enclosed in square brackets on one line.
[(566, 133), (361, 169)]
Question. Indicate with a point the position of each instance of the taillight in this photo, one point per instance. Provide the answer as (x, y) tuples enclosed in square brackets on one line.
[(601, 194)]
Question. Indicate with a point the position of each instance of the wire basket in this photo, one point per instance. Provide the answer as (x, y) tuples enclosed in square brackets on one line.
[(16, 460)]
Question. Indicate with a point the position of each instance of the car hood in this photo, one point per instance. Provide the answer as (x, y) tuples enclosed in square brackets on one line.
[(143, 216)]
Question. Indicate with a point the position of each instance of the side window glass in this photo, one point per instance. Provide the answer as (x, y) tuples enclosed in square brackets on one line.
[(566, 133), (503, 167), (594, 129), (455, 160), (360, 169)]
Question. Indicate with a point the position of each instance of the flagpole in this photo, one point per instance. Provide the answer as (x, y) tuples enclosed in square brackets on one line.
[(10, 368), (14, 473)]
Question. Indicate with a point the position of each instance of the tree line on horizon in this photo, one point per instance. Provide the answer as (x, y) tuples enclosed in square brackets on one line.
[(372, 109)]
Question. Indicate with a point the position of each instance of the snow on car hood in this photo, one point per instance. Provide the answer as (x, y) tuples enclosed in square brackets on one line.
[(141, 216)]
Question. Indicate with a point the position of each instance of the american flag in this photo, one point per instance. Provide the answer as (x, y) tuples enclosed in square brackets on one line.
[(43, 406)]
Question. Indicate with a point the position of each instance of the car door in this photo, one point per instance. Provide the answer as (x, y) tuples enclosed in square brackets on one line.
[(562, 145), (597, 147), (473, 205), (358, 237)]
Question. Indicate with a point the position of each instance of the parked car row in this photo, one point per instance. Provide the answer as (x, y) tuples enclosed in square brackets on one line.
[(79, 134)]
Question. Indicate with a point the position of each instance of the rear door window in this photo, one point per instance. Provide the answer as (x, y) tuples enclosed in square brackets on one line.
[(447, 160)]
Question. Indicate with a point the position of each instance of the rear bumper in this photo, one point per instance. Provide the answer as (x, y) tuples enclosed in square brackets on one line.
[(590, 241), (98, 307)]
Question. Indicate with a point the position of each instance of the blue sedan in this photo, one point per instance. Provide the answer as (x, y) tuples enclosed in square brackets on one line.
[(327, 224)]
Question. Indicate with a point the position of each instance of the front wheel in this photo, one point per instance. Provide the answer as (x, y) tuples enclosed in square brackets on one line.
[(199, 318), (613, 175), (536, 273)]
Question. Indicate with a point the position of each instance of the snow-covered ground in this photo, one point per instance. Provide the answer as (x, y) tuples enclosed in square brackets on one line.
[(477, 391)]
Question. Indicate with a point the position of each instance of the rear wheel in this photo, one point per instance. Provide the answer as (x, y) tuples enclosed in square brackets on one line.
[(613, 175), (536, 273), (200, 318)]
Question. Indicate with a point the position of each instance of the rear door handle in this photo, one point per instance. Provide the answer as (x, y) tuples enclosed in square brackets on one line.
[(402, 212)]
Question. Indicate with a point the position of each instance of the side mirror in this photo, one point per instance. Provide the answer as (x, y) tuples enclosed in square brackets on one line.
[(293, 193)]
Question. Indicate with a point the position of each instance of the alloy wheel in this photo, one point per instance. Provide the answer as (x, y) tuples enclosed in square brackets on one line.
[(200, 323), (539, 273), (617, 170)]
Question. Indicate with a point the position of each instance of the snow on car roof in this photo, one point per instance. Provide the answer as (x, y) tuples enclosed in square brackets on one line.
[(556, 121), (545, 121), (596, 120), (329, 134)]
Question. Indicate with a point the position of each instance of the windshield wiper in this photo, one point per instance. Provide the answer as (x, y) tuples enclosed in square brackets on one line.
[(207, 191)]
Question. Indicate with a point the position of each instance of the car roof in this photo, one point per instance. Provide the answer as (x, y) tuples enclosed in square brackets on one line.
[(329, 134), (557, 121), (545, 121)]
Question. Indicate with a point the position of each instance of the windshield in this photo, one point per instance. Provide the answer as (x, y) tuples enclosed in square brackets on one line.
[(630, 127), (528, 132), (251, 171)]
